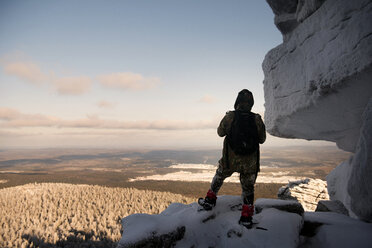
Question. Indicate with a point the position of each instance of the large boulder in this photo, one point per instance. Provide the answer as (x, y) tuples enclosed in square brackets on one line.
[(307, 191), (317, 82)]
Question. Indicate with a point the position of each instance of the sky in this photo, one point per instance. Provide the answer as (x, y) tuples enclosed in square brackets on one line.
[(129, 74)]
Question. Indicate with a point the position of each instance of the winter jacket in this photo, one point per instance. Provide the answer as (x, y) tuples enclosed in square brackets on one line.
[(240, 163)]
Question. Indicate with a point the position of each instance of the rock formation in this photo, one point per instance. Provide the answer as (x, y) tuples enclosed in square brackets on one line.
[(350, 181), (283, 205), (279, 225), (308, 192), (332, 206), (318, 83), (360, 186)]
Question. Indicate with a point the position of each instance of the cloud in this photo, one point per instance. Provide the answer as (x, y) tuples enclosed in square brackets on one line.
[(11, 118), (10, 134), (207, 99), (26, 71), (8, 114), (72, 85), (128, 81), (14, 118), (30, 72), (106, 104)]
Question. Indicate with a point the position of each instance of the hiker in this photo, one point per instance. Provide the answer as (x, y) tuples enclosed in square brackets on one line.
[(244, 132)]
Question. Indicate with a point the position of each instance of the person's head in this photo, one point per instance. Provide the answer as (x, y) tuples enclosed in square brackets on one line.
[(244, 101)]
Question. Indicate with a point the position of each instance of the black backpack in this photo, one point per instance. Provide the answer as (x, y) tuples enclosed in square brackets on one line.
[(243, 136)]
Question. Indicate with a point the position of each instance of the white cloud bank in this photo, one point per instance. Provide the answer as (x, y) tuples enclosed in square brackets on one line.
[(11, 118), (31, 72)]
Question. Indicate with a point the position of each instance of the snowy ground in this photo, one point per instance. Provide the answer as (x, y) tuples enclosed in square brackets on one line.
[(338, 230), (216, 228), (220, 228), (205, 173)]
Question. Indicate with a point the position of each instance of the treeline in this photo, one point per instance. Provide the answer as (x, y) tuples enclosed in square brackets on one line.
[(66, 215)]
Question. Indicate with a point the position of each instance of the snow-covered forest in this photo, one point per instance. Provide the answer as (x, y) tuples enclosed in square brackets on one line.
[(56, 214)]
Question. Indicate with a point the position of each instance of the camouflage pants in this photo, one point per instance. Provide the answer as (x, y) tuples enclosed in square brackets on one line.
[(247, 181)]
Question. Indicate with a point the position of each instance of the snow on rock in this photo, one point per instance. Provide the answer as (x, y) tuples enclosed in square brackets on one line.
[(337, 181), (360, 186), (155, 231), (281, 223), (216, 228), (288, 206), (333, 230), (350, 181), (307, 191), (317, 82), (285, 14), (332, 206)]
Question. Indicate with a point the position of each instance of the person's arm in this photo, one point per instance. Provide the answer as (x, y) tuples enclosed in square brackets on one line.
[(261, 129), (225, 124)]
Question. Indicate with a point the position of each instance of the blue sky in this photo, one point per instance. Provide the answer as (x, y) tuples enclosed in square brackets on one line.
[(143, 74)]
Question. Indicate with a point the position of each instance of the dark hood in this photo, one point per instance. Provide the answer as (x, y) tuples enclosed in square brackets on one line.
[(244, 101)]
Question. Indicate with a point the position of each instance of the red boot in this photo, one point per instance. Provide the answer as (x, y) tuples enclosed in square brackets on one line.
[(246, 217), (209, 201)]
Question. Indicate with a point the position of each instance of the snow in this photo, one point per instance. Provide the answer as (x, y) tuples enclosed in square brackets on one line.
[(337, 181), (216, 228), (317, 83), (308, 192), (359, 186), (220, 228), (273, 202), (137, 226), (317, 86), (193, 166), (339, 231), (350, 181), (205, 173)]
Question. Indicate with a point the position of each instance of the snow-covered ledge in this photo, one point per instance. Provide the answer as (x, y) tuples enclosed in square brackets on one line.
[(318, 84)]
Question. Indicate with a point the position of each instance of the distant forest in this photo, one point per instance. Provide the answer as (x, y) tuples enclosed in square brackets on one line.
[(65, 215)]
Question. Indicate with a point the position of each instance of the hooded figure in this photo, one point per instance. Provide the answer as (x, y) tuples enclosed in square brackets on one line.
[(244, 101), (245, 164)]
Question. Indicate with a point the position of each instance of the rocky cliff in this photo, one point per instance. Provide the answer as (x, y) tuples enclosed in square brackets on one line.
[(318, 83)]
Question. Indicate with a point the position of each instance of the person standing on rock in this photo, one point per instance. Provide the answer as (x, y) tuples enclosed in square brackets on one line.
[(244, 132)]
